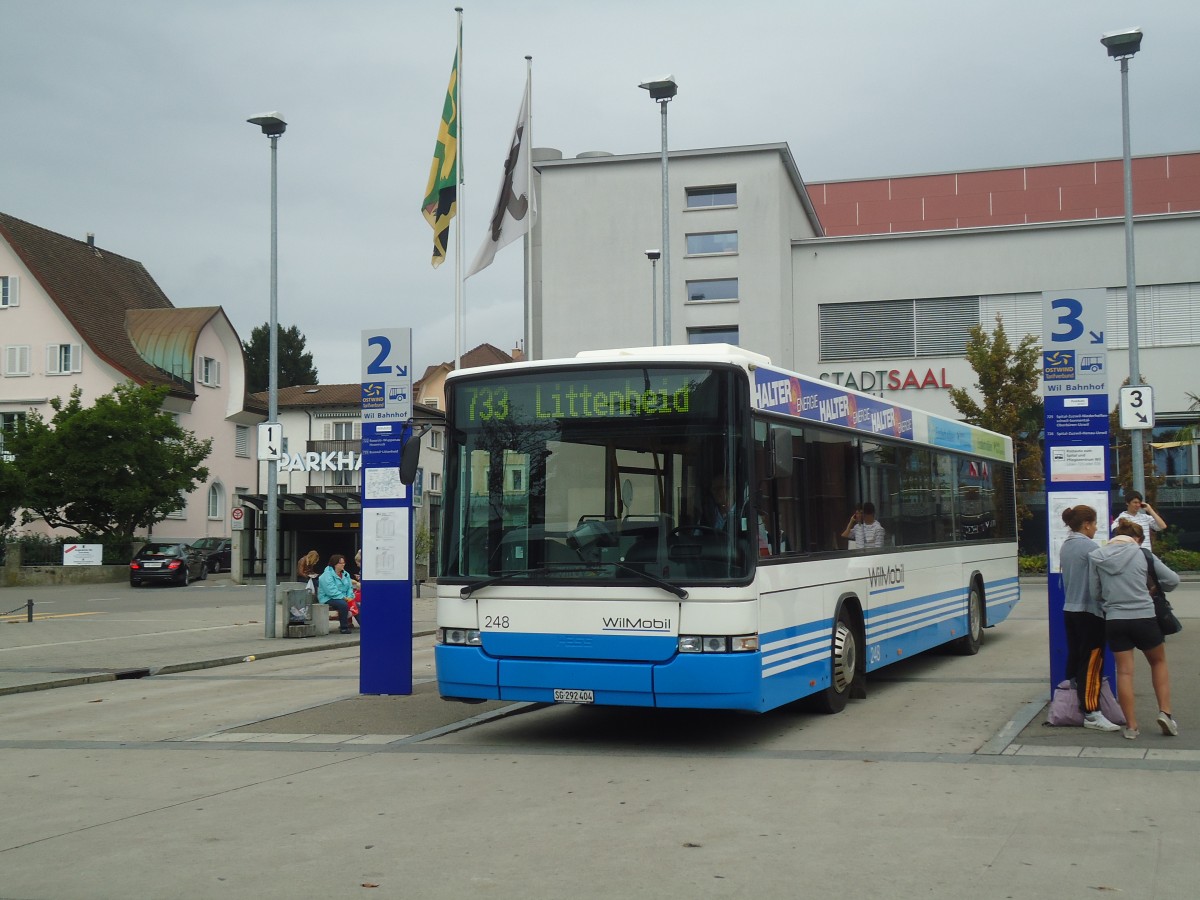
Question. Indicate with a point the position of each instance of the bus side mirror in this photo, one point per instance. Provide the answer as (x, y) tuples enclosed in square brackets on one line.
[(410, 458), (781, 451)]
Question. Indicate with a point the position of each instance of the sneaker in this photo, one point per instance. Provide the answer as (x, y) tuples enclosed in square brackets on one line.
[(1130, 734), (345, 630), (1097, 721), (1168, 724)]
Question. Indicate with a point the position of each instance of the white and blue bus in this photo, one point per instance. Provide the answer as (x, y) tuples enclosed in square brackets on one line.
[(586, 559)]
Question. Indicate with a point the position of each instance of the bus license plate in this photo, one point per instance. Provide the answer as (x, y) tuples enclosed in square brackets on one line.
[(562, 695)]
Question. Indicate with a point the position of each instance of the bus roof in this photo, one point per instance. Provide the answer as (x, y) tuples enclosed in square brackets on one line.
[(775, 390)]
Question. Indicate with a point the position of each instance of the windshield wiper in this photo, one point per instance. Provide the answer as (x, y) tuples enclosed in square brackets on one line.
[(469, 589), (652, 579), (496, 579)]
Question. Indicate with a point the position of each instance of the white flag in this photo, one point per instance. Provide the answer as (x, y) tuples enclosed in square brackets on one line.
[(516, 206)]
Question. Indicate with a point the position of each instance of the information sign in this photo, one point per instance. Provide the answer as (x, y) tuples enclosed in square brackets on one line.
[(386, 375), (1136, 407), (83, 554), (1074, 355), (270, 441)]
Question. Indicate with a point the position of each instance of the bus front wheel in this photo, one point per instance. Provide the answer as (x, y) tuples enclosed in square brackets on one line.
[(843, 664)]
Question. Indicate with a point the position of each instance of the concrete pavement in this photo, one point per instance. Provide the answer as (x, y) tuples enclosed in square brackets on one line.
[(276, 779)]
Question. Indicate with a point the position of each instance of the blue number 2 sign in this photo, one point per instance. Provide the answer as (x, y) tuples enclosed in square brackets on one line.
[(387, 387)]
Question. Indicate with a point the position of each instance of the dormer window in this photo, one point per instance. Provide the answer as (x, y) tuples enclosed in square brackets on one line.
[(209, 371)]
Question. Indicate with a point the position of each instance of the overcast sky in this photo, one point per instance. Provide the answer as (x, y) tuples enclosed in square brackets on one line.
[(126, 118)]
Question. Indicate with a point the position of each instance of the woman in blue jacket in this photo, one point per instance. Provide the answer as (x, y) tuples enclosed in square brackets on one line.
[(334, 588)]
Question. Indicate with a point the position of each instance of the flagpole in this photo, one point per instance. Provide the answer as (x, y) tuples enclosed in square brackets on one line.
[(458, 199), (529, 233)]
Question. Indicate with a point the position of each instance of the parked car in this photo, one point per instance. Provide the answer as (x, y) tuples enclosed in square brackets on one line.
[(219, 550), (168, 561)]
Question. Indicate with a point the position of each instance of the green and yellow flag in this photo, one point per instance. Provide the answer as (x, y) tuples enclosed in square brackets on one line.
[(441, 194)]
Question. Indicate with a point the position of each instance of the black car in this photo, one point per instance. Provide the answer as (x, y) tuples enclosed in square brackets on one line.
[(219, 552), (168, 561)]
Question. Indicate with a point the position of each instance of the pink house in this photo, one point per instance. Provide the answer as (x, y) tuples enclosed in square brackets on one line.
[(73, 313)]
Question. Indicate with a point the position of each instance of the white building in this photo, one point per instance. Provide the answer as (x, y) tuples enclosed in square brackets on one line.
[(873, 284)]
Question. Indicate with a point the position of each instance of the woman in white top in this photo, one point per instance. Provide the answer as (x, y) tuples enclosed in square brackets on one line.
[(863, 532), (1138, 510)]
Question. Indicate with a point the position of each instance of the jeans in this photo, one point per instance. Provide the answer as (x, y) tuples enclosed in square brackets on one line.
[(343, 610)]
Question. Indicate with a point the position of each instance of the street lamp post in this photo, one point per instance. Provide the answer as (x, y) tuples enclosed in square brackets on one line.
[(1122, 45), (653, 256), (273, 126), (661, 91)]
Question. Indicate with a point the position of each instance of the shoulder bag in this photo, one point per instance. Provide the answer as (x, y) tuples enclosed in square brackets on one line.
[(1168, 622)]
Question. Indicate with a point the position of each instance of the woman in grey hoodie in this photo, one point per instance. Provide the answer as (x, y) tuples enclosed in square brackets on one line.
[(1083, 617), (1117, 575)]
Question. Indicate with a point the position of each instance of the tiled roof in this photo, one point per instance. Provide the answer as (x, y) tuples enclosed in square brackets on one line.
[(94, 289), (301, 396)]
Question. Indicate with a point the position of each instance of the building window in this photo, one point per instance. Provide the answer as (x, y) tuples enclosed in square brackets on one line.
[(725, 334), (241, 441), (435, 481), (707, 197), (516, 480), (432, 401), (16, 360), (9, 295), (210, 371), (342, 478), (342, 431), (435, 439), (216, 498), (9, 423), (712, 242), (63, 359), (939, 326), (180, 513), (712, 289)]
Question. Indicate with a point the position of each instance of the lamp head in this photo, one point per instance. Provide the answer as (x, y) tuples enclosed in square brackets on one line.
[(272, 123), (652, 255), (1122, 44), (663, 88)]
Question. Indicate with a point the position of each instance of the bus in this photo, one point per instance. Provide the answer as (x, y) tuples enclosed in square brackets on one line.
[(585, 557)]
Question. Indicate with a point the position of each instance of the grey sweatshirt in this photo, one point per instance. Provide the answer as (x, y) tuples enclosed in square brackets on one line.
[(1073, 562), (1118, 579)]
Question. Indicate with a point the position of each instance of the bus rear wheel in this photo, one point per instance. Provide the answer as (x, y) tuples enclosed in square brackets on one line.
[(843, 664), (968, 644)]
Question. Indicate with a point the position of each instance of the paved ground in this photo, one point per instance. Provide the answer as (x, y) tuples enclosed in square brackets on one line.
[(275, 778)]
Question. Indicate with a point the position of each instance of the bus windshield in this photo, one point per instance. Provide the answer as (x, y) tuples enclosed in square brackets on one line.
[(621, 473)]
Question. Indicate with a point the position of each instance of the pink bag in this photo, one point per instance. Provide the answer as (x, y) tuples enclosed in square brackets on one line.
[(1064, 705)]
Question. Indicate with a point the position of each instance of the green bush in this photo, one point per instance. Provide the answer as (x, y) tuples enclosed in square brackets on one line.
[(1182, 560), (1032, 565)]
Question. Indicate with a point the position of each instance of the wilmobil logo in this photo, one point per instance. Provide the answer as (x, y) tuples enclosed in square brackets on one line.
[(621, 623), (886, 576)]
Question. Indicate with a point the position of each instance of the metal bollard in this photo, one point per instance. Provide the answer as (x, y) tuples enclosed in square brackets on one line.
[(29, 610)]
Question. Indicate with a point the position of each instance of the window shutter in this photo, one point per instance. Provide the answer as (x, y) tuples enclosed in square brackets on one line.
[(52, 359), (216, 379), (866, 330), (357, 431), (76, 358), (328, 431), (11, 294)]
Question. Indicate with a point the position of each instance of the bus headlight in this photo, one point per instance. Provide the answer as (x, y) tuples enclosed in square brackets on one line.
[(468, 637), (718, 643)]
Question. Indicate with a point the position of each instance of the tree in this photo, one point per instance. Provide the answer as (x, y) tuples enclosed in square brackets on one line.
[(1007, 379), (111, 468), (11, 492), (295, 365)]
